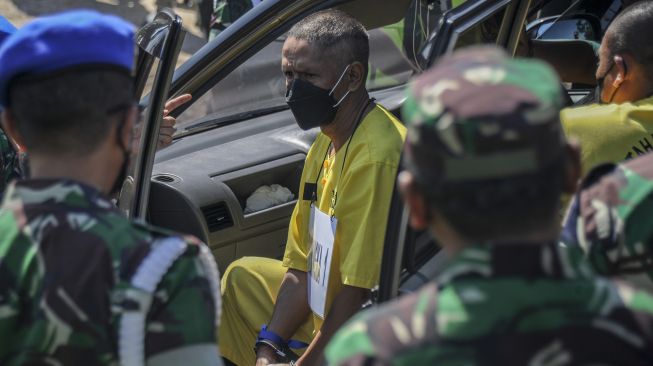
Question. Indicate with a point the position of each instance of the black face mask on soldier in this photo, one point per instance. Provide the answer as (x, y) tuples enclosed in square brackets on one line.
[(313, 106)]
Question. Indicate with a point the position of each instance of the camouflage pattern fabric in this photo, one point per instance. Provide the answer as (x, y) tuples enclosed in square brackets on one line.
[(610, 217), (79, 283), (9, 163), (505, 305), (511, 128)]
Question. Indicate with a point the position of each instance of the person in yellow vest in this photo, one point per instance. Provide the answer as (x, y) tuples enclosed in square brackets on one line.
[(621, 126), (336, 233)]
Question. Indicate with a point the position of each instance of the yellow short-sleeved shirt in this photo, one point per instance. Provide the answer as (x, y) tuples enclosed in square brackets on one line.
[(610, 132), (364, 192)]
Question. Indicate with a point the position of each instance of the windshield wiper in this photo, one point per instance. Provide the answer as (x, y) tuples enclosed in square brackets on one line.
[(234, 118)]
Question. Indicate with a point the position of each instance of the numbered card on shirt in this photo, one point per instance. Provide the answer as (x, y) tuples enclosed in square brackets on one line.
[(322, 234)]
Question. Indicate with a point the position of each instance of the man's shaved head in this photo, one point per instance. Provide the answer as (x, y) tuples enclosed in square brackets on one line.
[(337, 35), (630, 33)]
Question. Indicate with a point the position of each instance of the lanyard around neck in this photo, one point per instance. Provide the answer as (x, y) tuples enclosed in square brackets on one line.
[(314, 197)]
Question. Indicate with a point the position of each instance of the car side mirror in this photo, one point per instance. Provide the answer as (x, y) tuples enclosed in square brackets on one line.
[(578, 26)]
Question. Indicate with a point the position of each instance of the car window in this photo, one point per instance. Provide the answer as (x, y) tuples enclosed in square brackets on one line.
[(485, 32), (147, 89), (258, 83), (255, 84), (127, 191)]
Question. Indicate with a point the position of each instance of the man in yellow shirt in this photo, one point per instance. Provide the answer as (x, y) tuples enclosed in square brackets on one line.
[(621, 127), (335, 239)]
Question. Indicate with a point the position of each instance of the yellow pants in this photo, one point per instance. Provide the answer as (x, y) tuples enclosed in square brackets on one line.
[(249, 290)]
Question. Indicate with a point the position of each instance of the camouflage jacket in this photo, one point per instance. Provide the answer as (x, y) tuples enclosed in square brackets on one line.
[(82, 285), (10, 168), (505, 305), (610, 220)]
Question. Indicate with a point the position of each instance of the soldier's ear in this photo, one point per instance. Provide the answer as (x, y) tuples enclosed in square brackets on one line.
[(420, 217), (573, 168), (11, 130)]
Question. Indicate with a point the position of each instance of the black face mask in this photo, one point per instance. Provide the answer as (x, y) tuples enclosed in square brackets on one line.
[(313, 106)]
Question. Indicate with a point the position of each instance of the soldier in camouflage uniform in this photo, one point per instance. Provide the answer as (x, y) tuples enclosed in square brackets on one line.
[(79, 283), (609, 219), (9, 157), (486, 164)]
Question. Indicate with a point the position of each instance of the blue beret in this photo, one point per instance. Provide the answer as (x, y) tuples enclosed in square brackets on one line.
[(6, 29), (63, 41)]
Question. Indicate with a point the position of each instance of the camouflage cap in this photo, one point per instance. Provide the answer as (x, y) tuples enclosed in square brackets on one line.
[(479, 115)]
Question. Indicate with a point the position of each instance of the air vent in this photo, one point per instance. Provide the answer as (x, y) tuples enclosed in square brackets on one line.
[(165, 178), (217, 216)]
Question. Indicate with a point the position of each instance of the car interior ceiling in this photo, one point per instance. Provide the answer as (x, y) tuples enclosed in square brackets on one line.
[(385, 12)]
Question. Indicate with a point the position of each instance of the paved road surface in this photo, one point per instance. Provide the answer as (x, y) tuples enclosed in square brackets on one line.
[(20, 12)]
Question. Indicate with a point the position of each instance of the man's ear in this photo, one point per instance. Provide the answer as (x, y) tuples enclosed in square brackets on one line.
[(573, 169), (127, 132), (356, 76), (622, 71), (10, 128), (414, 199)]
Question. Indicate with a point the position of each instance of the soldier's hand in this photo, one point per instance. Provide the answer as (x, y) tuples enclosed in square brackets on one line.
[(168, 128)]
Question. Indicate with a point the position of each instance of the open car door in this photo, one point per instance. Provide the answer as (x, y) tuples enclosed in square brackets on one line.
[(411, 258), (159, 43)]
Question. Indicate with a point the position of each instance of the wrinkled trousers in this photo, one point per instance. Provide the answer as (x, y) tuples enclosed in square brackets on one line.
[(249, 290)]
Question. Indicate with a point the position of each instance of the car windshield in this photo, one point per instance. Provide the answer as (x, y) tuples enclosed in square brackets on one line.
[(258, 84)]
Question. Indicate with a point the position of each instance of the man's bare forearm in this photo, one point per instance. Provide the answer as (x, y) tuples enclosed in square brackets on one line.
[(291, 308), (347, 303)]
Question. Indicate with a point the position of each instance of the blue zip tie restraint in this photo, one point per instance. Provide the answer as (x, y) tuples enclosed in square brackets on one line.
[(266, 334), (276, 342)]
